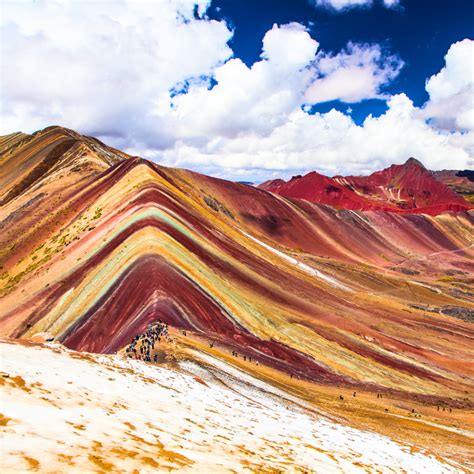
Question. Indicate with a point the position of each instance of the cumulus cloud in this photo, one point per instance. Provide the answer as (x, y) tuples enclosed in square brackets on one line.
[(298, 141), (255, 100), (331, 143), (159, 79), (342, 5), (451, 104), (354, 74), (100, 67), (289, 46), (245, 100)]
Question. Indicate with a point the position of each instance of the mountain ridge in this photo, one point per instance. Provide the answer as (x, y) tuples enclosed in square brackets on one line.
[(92, 256), (321, 302), (406, 188)]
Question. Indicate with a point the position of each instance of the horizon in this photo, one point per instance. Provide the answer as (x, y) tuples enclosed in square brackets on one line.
[(270, 90), (411, 158)]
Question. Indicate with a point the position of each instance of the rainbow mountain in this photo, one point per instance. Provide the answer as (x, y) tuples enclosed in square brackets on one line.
[(322, 302)]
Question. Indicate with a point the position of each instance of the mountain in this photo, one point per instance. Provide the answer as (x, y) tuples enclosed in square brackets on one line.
[(96, 413), (461, 182), (62, 155), (318, 301), (407, 188)]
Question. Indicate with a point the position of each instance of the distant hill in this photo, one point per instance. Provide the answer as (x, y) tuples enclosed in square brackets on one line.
[(461, 182), (407, 188)]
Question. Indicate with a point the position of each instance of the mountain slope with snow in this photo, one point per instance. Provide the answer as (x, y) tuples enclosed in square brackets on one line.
[(90, 413), (321, 303)]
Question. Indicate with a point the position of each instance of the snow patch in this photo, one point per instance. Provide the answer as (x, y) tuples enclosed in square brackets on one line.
[(74, 412), (306, 268)]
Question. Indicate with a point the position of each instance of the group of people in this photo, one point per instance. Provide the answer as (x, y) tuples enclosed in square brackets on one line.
[(143, 345), (142, 348), (236, 354)]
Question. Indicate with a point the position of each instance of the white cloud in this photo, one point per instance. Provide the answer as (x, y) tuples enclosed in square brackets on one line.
[(391, 3), (331, 143), (272, 133), (289, 46), (256, 100), (245, 100), (340, 5), (343, 5), (451, 104), (99, 67), (353, 75), (153, 79)]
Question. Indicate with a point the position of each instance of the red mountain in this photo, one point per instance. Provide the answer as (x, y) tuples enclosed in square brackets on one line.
[(461, 182), (407, 188)]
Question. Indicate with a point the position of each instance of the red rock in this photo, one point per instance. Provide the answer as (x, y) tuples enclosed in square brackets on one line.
[(399, 188)]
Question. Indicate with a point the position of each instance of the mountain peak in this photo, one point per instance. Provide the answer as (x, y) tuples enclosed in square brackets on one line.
[(407, 187), (414, 162)]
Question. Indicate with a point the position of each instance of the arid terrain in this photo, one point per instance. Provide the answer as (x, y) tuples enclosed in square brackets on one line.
[(316, 325)]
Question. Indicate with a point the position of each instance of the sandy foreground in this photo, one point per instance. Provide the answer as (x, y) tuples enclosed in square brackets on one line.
[(65, 411)]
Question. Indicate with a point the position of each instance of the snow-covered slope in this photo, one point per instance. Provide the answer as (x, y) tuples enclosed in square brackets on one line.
[(86, 413)]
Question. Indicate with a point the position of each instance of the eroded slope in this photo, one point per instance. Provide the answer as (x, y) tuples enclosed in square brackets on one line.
[(370, 300)]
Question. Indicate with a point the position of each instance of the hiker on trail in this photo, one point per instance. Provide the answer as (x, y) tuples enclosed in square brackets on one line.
[(148, 339)]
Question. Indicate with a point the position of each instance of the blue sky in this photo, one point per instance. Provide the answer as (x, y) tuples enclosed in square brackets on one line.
[(248, 90), (420, 32)]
